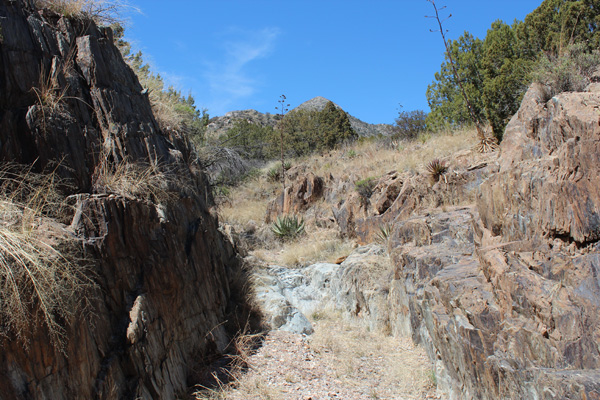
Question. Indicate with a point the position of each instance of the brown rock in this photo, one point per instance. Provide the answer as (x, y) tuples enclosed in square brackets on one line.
[(507, 306), (167, 280), (305, 190)]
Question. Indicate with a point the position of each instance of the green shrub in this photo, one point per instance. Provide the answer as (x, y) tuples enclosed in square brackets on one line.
[(571, 72), (306, 131), (288, 226), (252, 140), (274, 174), (365, 187), (384, 233)]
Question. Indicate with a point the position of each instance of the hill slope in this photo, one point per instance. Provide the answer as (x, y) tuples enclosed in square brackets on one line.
[(220, 125)]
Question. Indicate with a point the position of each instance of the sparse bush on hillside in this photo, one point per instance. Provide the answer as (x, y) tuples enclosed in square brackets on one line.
[(571, 72), (364, 188), (409, 124)]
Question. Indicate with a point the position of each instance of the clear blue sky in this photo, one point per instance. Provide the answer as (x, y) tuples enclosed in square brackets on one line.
[(367, 56)]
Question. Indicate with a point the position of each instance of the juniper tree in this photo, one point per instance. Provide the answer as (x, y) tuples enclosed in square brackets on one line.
[(486, 143)]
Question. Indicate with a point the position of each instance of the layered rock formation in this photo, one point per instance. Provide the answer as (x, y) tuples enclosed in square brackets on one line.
[(505, 294), (167, 282), (500, 283)]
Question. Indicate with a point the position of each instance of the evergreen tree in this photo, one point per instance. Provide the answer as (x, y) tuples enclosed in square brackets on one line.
[(447, 104)]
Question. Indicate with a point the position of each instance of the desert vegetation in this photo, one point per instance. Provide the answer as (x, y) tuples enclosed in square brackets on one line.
[(495, 71), (245, 205), (44, 279)]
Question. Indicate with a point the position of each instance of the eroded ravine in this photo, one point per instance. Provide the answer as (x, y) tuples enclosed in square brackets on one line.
[(324, 346)]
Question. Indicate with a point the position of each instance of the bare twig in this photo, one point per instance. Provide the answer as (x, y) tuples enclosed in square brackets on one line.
[(282, 108)]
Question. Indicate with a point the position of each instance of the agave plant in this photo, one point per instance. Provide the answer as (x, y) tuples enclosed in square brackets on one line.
[(273, 174), (384, 233), (288, 226), (436, 169)]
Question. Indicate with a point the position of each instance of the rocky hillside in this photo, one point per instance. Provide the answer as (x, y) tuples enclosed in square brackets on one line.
[(167, 288), (495, 262), (219, 125)]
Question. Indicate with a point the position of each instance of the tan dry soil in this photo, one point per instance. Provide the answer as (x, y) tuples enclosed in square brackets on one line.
[(341, 361)]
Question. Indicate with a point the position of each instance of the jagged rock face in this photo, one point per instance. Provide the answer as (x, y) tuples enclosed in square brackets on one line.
[(397, 196), (302, 193), (167, 281), (547, 186), (507, 305), (91, 102)]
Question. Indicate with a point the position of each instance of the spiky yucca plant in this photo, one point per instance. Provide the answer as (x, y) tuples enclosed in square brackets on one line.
[(384, 233), (436, 168), (288, 226)]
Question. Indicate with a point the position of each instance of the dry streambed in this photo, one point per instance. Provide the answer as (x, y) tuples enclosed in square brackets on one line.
[(320, 350)]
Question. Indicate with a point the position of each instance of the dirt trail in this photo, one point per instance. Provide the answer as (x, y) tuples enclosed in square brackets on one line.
[(341, 360)]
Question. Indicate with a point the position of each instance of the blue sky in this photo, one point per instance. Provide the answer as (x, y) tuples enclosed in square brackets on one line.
[(366, 56)]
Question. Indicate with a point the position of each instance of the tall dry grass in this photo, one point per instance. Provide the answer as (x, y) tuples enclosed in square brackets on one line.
[(400, 366), (43, 280), (374, 158), (145, 181)]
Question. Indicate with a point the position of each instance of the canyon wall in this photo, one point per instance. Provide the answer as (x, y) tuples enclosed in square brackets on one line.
[(169, 288)]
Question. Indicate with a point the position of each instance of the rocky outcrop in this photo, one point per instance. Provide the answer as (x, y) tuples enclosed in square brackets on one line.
[(299, 196), (397, 196), (502, 289), (357, 287), (166, 280), (550, 159), (507, 305)]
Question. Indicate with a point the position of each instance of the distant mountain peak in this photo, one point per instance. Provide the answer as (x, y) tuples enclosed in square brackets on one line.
[(220, 125), (315, 104)]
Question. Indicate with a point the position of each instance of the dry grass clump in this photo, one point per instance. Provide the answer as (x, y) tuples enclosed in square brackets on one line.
[(318, 245), (230, 378), (48, 92), (41, 282), (133, 180), (248, 201), (436, 169), (104, 12)]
